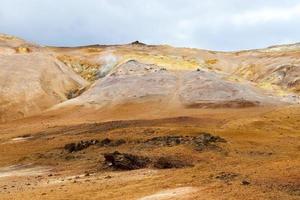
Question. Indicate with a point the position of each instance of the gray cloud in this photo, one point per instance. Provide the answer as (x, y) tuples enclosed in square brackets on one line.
[(211, 24)]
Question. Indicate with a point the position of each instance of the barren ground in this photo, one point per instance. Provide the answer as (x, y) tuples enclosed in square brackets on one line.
[(260, 159)]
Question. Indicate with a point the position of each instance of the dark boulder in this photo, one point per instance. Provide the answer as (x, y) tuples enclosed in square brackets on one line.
[(124, 161)]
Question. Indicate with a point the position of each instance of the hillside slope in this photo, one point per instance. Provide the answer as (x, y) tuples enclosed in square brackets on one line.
[(32, 81), (35, 78)]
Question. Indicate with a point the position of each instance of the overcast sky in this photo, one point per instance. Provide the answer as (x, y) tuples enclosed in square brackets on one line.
[(208, 24)]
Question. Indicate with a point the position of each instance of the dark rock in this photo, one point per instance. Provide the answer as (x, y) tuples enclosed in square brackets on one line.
[(202, 141), (104, 142), (244, 182), (137, 43), (70, 147), (168, 163), (168, 140), (124, 161), (26, 136), (73, 147), (112, 143)]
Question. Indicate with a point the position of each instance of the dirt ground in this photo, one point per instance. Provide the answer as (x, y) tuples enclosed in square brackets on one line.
[(259, 160)]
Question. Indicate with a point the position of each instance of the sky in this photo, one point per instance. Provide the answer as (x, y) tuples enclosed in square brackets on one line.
[(208, 24)]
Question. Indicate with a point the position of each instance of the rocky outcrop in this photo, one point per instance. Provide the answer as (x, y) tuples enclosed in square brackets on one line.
[(124, 161)]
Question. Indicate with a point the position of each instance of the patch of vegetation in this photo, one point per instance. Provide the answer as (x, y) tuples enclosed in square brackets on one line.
[(22, 49), (211, 61)]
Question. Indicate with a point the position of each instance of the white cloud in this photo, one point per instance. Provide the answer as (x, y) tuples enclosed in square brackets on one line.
[(266, 15), (212, 24)]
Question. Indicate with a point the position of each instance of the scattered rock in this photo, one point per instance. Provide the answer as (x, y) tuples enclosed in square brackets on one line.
[(208, 138), (291, 188), (244, 182), (168, 163), (73, 147), (167, 140), (227, 176), (112, 143), (206, 141), (124, 161), (202, 141)]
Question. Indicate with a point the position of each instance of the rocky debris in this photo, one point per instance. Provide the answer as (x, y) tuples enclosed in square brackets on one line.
[(290, 188), (168, 140), (169, 162), (207, 141), (111, 143), (124, 161), (227, 176), (201, 141), (73, 147)]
